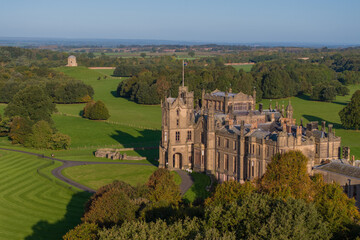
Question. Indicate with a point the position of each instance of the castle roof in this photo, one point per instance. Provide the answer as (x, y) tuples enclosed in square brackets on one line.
[(340, 168), (260, 134), (222, 94), (71, 56)]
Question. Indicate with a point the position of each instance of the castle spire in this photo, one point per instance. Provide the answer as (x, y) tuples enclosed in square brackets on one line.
[(183, 73)]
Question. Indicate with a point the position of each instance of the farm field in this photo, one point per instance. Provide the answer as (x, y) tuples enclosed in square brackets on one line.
[(31, 206), (245, 67), (95, 176), (179, 55)]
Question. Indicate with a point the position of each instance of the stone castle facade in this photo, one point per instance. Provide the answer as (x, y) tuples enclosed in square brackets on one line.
[(228, 138)]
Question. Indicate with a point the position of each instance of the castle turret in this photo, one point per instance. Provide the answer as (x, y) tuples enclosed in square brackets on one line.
[(210, 140), (254, 98), (177, 130), (289, 110), (226, 103)]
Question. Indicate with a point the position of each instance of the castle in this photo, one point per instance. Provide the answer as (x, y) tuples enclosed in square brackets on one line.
[(228, 138)]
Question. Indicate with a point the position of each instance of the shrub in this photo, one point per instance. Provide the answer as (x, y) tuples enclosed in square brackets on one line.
[(60, 141), (84, 231), (96, 111)]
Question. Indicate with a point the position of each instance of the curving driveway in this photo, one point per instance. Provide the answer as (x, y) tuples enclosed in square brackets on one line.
[(186, 180)]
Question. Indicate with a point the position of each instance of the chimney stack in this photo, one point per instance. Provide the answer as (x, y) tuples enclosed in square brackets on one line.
[(323, 126), (330, 126)]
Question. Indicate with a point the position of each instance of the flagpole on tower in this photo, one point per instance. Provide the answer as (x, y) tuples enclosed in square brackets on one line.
[(183, 73)]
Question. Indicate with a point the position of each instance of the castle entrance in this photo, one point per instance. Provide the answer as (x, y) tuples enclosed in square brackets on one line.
[(177, 160)]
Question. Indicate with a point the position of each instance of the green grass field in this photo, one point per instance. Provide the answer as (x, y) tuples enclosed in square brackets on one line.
[(245, 67), (95, 176), (121, 110), (31, 206)]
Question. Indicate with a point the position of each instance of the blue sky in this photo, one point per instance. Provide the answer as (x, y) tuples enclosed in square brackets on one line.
[(316, 21)]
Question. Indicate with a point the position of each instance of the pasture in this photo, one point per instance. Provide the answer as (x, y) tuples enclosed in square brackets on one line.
[(31, 206)]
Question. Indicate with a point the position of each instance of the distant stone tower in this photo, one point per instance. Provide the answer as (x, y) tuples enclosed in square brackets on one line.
[(72, 61)]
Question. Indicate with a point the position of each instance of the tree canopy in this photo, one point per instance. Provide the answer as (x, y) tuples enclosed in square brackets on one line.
[(350, 115), (31, 103)]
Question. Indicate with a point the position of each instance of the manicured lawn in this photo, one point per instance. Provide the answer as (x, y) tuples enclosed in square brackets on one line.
[(86, 133), (245, 67), (95, 176), (121, 110), (177, 178), (31, 206), (198, 190)]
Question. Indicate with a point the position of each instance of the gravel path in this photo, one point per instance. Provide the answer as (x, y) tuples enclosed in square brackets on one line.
[(186, 180)]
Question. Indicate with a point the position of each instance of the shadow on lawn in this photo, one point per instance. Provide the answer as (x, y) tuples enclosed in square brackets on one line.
[(74, 212), (146, 145), (342, 103), (308, 98)]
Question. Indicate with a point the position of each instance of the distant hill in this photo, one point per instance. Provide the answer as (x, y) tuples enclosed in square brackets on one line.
[(36, 42)]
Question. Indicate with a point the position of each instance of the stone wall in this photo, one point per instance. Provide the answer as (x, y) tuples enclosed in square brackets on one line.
[(115, 154)]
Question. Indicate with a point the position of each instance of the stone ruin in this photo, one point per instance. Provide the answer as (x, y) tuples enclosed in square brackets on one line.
[(115, 154)]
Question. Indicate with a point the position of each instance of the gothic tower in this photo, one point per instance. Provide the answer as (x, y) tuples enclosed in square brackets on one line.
[(175, 151)]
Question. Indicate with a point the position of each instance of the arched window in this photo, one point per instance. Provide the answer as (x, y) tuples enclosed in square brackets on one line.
[(178, 112)]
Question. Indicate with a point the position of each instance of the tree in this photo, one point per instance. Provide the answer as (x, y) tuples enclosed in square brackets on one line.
[(229, 191), (59, 141), (191, 53), (143, 55), (259, 216), (286, 176), (336, 208), (112, 208), (91, 55), (40, 135), (4, 127), (162, 187), (84, 231), (350, 115), (31, 103), (20, 128)]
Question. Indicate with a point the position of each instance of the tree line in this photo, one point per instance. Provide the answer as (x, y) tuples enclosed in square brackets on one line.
[(149, 83), (286, 203), (60, 87), (27, 120)]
